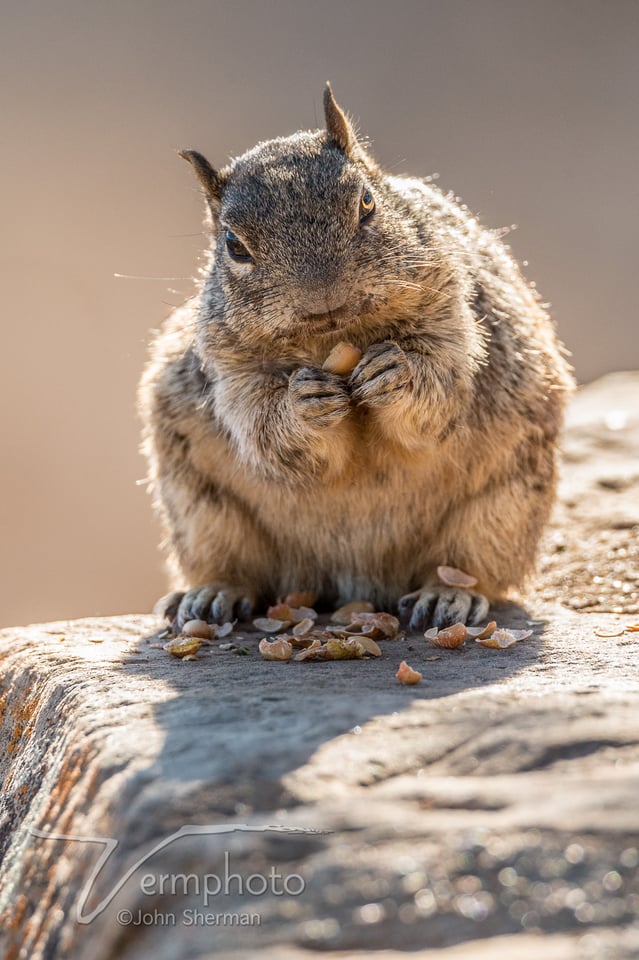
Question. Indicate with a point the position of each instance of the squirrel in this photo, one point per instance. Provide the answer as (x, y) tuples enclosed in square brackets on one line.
[(273, 474)]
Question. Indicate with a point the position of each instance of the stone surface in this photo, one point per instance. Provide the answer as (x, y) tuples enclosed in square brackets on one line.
[(489, 812)]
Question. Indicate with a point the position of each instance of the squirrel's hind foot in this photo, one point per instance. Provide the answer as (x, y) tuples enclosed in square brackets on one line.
[(439, 606), (213, 602)]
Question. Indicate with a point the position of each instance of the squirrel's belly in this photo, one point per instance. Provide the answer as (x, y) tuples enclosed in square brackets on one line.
[(370, 539)]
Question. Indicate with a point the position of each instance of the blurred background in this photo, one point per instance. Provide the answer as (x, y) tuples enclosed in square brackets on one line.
[(528, 110)]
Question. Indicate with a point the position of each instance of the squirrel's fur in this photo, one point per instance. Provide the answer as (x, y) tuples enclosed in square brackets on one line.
[(272, 475)]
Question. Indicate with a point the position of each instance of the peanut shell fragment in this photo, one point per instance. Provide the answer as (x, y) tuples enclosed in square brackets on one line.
[(316, 651), (369, 646), (183, 646), (197, 628), (407, 675), (303, 613), (480, 633), (304, 627), (344, 648), (502, 639), (377, 625), (450, 638), (279, 649), (344, 615), (280, 611), (270, 625)]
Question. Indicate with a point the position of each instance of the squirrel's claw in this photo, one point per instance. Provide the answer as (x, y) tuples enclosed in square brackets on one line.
[(318, 396), (381, 372), (441, 607), (214, 602)]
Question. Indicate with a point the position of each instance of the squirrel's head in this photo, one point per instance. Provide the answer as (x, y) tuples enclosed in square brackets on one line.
[(306, 240)]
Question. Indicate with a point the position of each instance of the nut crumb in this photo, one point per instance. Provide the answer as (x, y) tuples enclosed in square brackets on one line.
[(407, 675)]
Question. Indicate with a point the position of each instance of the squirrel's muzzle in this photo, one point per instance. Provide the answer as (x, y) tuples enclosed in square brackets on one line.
[(321, 305), (321, 295)]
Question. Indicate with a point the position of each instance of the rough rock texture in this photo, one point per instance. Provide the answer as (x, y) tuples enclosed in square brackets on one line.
[(489, 812)]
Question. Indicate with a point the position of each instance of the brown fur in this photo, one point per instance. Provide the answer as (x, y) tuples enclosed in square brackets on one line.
[(272, 475)]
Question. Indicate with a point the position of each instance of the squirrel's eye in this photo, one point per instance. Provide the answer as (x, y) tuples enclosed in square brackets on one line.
[(236, 248), (366, 206)]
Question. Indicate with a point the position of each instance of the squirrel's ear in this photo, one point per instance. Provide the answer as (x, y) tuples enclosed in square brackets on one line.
[(338, 127), (210, 180)]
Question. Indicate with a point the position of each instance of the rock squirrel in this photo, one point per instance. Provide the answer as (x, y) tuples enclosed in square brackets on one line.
[(272, 474)]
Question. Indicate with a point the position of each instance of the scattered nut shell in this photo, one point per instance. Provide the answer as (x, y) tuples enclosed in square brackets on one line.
[(500, 640), (224, 629), (323, 646), (407, 675), (316, 651), (345, 614), (614, 632), (303, 627), (270, 625), (520, 634), (344, 648), (450, 638), (280, 611), (301, 643), (303, 598), (369, 646), (480, 633), (279, 649), (342, 359), (377, 625), (303, 613), (631, 628), (455, 578), (183, 646), (197, 628)]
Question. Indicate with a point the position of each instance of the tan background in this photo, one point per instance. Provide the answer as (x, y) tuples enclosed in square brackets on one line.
[(527, 109)]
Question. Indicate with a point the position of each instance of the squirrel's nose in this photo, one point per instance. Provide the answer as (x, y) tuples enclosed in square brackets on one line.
[(313, 302)]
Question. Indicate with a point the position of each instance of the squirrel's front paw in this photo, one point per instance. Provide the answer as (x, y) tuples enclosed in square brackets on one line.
[(318, 396), (380, 374)]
